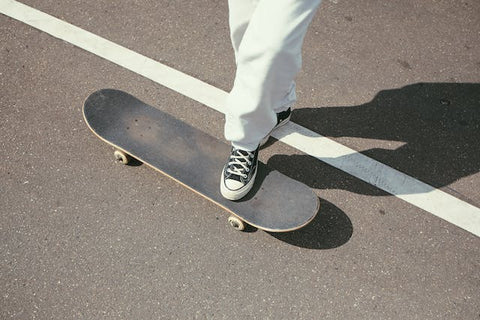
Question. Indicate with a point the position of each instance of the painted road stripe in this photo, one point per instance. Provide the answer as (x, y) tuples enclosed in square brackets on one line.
[(417, 193)]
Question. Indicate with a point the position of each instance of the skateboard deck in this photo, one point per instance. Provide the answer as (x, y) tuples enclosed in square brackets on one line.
[(195, 159)]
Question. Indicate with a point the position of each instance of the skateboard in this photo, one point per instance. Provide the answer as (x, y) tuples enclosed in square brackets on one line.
[(195, 159)]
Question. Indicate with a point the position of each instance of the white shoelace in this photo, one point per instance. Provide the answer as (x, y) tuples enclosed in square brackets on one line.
[(240, 162)]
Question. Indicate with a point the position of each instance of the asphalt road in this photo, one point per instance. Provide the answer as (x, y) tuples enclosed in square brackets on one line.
[(82, 237)]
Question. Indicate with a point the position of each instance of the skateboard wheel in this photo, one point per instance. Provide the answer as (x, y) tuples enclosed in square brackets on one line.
[(236, 223), (122, 157)]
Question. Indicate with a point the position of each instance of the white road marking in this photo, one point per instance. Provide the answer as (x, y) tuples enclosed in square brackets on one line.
[(419, 194), (369, 144)]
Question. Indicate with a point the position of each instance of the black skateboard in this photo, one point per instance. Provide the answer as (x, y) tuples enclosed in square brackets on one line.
[(195, 159)]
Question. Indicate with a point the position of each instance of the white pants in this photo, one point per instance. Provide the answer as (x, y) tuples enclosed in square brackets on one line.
[(267, 37)]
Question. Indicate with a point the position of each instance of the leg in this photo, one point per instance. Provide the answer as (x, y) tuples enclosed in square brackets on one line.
[(267, 38), (268, 59), (240, 12)]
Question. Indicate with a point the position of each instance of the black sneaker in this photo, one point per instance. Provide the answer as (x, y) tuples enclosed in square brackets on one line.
[(282, 118), (239, 174)]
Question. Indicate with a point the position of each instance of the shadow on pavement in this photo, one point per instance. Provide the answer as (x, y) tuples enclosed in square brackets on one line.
[(438, 125), (331, 228)]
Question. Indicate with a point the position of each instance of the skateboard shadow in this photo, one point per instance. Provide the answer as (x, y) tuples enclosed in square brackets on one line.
[(331, 228), (134, 163)]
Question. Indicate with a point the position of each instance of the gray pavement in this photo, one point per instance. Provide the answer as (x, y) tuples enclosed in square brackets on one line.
[(85, 238)]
